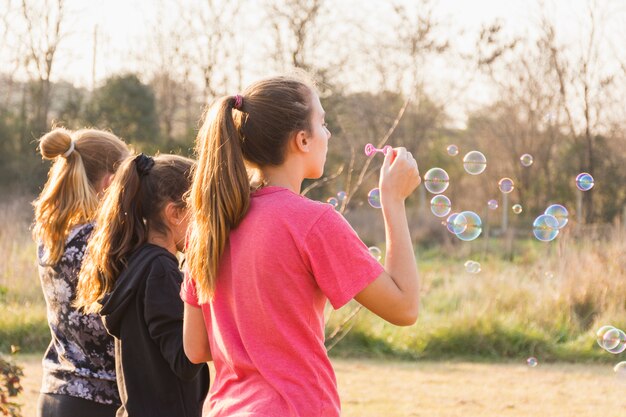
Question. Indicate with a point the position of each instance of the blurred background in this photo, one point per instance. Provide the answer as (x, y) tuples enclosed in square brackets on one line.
[(547, 78)]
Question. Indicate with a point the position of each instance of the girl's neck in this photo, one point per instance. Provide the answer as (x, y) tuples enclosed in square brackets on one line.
[(166, 242), (280, 177)]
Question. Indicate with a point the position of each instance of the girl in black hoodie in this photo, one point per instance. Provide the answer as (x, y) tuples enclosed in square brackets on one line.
[(131, 277)]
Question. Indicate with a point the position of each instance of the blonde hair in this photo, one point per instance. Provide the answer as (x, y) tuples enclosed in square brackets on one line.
[(238, 130), (69, 197), (132, 207)]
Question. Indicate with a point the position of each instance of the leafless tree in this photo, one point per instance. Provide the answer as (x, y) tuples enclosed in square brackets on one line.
[(586, 87), (44, 32), (209, 32)]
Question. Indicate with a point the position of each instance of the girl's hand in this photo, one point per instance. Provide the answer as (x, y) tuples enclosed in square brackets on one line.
[(399, 176)]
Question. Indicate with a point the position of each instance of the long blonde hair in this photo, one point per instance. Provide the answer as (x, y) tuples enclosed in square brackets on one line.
[(238, 130), (132, 207), (69, 198)]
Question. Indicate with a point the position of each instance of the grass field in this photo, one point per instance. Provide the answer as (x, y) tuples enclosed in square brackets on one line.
[(374, 388), (536, 300), (546, 301)]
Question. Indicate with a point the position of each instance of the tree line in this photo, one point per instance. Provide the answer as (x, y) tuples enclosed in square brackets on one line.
[(563, 105)]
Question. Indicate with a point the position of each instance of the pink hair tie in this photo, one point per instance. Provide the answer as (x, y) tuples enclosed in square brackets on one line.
[(238, 102)]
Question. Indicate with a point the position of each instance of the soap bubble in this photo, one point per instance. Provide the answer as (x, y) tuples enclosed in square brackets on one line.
[(546, 227), (341, 195), (517, 208), (614, 341), (333, 202), (456, 223), (506, 185), (532, 361), (440, 205), (584, 181), (472, 267), (453, 150), (600, 335), (473, 225), (611, 338), (492, 204), (375, 252), (620, 371), (526, 159), (559, 212), (436, 180), (474, 162), (374, 198)]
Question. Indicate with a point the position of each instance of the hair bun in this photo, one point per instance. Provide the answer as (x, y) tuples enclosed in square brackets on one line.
[(55, 143)]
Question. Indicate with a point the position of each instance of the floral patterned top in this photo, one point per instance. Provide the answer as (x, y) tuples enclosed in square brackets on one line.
[(80, 360)]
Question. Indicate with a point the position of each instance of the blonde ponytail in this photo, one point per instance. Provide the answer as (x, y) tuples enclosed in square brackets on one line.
[(69, 197), (252, 128)]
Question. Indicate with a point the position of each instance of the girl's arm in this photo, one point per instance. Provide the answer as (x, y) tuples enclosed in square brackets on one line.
[(394, 295), (163, 313), (195, 339)]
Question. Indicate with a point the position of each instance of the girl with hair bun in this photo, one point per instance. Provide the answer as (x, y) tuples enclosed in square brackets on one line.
[(262, 263), (79, 364), (131, 277)]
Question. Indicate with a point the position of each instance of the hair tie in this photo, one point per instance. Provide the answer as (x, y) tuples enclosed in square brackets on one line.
[(70, 149), (143, 164), (238, 102)]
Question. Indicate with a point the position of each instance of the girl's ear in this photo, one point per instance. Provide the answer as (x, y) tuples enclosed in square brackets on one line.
[(174, 214), (105, 182), (302, 141)]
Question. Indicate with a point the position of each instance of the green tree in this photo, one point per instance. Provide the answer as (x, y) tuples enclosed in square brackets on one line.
[(126, 106)]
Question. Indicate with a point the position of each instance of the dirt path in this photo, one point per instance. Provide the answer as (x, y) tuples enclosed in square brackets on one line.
[(371, 388)]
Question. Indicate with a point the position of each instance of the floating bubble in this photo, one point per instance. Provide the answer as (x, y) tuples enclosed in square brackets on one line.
[(611, 338), (375, 252), (333, 202), (614, 341), (584, 181), (436, 180), (474, 162), (453, 150), (374, 198), (440, 205), (456, 223), (517, 208), (492, 204), (472, 267), (545, 227), (526, 159), (620, 371), (532, 361), (600, 335), (559, 212), (618, 349), (473, 225), (341, 195), (506, 185)]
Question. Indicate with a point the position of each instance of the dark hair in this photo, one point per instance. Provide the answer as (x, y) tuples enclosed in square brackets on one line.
[(254, 133), (133, 206)]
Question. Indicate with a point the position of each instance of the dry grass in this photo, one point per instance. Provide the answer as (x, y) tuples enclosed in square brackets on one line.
[(371, 388), (547, 300)]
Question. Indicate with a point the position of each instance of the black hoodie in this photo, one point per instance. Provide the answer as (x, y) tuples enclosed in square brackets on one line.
[(144, 313)]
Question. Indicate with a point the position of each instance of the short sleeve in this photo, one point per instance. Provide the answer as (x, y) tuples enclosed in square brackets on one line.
[(188, 291), (339, 260)]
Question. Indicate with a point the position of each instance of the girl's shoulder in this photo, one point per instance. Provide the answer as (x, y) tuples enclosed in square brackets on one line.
[(75, 244)]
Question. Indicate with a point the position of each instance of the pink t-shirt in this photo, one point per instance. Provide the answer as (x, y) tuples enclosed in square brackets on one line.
[(266, 321)]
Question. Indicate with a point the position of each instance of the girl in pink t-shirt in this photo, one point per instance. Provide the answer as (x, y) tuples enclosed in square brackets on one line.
[(261, 264)]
